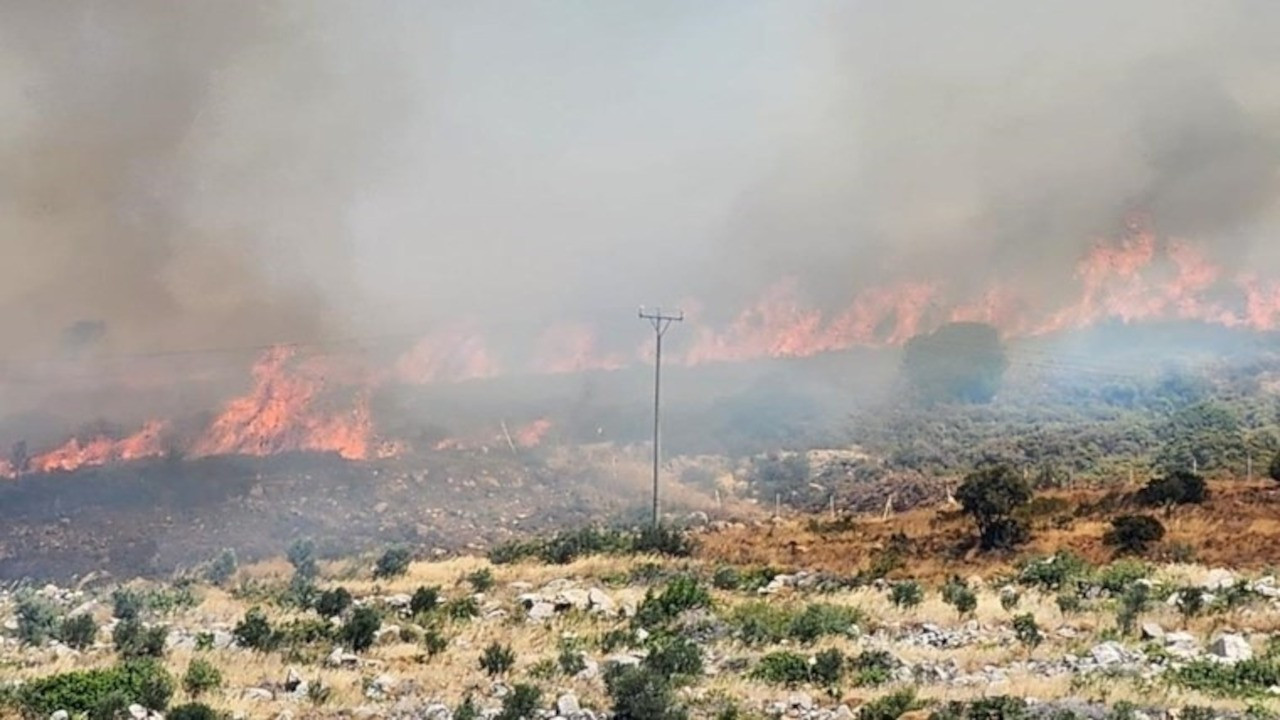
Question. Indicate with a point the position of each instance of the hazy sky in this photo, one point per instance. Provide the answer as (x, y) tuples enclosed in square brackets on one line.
[(203, 174)]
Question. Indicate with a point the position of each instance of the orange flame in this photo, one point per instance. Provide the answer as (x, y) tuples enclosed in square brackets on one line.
[(449, 356), (101, 449)]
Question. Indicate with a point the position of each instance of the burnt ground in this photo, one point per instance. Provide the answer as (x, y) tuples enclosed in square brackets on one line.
[(153, 517)]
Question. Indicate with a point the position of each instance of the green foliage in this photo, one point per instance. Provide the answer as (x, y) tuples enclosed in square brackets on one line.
[(78, 631), (255, 632), (302, 556), (872, 668), (571, 660), (1009, 599), (673, 656), (135, 640), (890, 707), (126, 604), (1053, 572), (192, 711), (566, 546), (463, 608), (1132, 604), (1120, 575), (467, 709), (393, 563), (497, 659), (1068, 602), (782, 667), (990, 496), (1206, 435), (1133, 534), (662, 540), (639, 693), (726, 577), (424, 600), (680, 594), (957, 594), (1274, 469), (1179, 487), (827, 668), (996, 707), (481, 580), (95, 692), (1190, 601), (906, 594), (201, 677), (1247, 677), (332, 603), (959, 362), (786, 475), (821, 619), (521, 703), (37, 620), (221, 568), (760, 623), (1027, 631), (361, 629), (434, 641)]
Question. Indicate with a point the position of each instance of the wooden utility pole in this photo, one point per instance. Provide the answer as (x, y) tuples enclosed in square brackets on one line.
[(660, 322)]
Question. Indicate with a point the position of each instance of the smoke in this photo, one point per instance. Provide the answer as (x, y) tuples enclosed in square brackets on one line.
[(195, 175)]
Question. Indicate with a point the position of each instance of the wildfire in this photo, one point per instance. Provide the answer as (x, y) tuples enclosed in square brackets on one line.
[(448, 356), (101, 449)]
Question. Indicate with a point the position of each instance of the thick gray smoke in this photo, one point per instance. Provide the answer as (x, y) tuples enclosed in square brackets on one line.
[(187, 175)]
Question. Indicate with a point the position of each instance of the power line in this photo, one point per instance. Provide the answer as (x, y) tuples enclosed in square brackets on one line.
[(661, 323)]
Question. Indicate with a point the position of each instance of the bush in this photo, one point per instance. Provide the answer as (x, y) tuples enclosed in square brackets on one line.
[(782, 667), (521, 703), (497, 659), (1053, 572), (94, 692), (201, 677), (890, 707), (872, 667), (1133, 534), (37, 620), (906, 594), (759, 623), (674, 656), (828, 667), (1190, 601), (255, 631), (639, 693), (467, 709), (302, 556), (996, 707), (1274, 470), (991, 496), (361, 629), (958, 595), (1180, 487), (662, 540), (821, 619), (571, 661), (192, 711), (681, 594), (1027, 631), (463, 608), (333, 603), (434, 641), (1132, 604), (393, 563), (726, 577), (424, 600), (481, 580), (126, 604), (78, 631), (1009, 599), (221, 568), (1068, 602), (1122, 574), (135, 640)]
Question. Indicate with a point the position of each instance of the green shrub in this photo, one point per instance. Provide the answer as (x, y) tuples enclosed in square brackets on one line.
[(1068, 602), (906, 594), (1053, 572), (302, 556), (126, 604), (497, 659), (78, 631), (890, 707), (662, 540), (872, 667), (114, 706), (958, 595), (681, 594), (481, 580), (467, 709), (1132, 604), (463, 608), (996, 707), (424, 600), (392, 564), (37, 620), (827, 668), (135, 640), (1009, 599), (639, 693), (571, 661), (332, 603), (434, 641), (674, 656), (782, 667), (1247, 677), (255, 631), (192, 711), (1133, 534), (818, 620), (201, 677), (726, 577), (1190, 601), (1180, 487), (90, 692), (514, 552), (361, 629), (521, 703), (1121, 575), (1027, 631), (221, 568)]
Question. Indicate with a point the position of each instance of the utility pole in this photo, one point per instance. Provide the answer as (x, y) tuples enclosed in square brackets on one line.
[(660, 322)]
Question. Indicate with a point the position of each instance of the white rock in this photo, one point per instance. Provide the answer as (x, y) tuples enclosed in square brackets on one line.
[(398, 601), (60, 715), (575, 598), (256, 693), (1219, 579), (542, 611), (137, 712), (1152, 631), (803, 701), (1108, 653), (600, 602), (1231, 648), (567, 705), (843, 713)]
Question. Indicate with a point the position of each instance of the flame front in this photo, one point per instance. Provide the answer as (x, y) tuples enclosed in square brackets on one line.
[(100, 450)]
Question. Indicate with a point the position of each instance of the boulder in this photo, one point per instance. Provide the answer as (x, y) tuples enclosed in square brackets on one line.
[(137, 712), (542, 611), (567, 705), (257, 693), (1219, 579), (1231, 648), (575, 598), (1152, 631), (1108, 654), (600, 602), (60, 715)]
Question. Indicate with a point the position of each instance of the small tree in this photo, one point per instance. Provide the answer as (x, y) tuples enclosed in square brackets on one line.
[(1132, 604), (255, 631), (333, 603), (907, 594), (135, 640), (1190, 601), (481, 580), (1180, 487), (958, 595), (78, 631), (393, 563), (126, 604), (1027, 631), (37, 620), (222, 567), (192, 711), (1132, 534), (521, 703), (302, 556), (990, 496), (497, 659), (361, 630), (201, 677), (424, 600)]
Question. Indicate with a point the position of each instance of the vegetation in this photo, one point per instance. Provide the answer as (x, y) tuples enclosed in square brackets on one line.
[(641, 693), (360, 630), (332, 603), (37, 620), (1179, 487), (255, 631), (135, 640), (77, 631), (97, 692), (221, 569), (1133, 534), (991, 496), (521, 703), (959, 362), (201, 677), (497, 659), (566, 546), (906, 594), (392, 564)]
